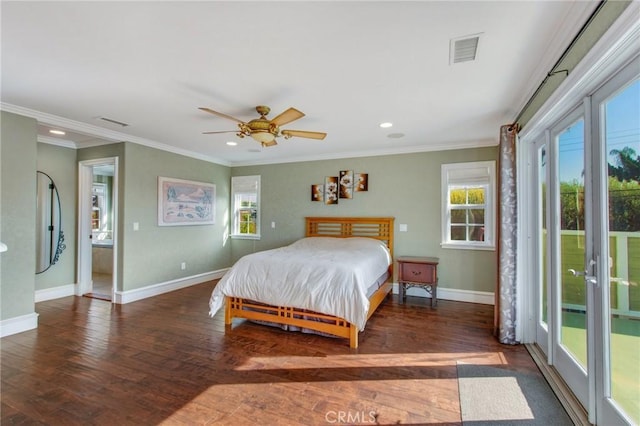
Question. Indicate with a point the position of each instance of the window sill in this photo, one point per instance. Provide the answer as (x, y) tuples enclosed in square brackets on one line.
[(467, 246), (245, 237)]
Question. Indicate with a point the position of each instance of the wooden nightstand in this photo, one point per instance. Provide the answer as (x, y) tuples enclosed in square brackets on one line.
[(414, 271)]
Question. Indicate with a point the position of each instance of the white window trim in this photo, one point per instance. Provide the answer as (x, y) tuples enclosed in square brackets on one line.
[(483, 172), (234, 216)]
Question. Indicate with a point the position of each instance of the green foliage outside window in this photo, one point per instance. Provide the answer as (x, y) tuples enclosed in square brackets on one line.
[(459, 195), (624, 205), (247, 221), (467, 213)]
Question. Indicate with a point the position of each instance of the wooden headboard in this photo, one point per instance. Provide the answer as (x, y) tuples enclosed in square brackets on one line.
[(380, 228)]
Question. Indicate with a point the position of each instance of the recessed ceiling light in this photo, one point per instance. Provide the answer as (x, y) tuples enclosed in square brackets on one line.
[(232, 143), (386, 124), (57, 132)]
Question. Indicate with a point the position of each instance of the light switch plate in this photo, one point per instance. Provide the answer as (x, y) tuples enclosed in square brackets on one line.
[(403, 227)]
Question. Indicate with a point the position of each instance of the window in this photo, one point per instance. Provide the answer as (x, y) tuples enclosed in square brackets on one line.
[(468, 207), (245, 196)]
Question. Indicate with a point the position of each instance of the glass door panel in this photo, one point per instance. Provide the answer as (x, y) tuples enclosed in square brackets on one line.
[(541, 170), (622, 149), (567, 310), (573, 301), (542, 182)]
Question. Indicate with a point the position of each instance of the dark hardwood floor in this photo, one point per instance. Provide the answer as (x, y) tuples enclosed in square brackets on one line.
[(164, 361)]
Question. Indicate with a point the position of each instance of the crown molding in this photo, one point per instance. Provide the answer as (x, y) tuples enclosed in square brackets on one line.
[(76, 126), (616, 47), (57, 142), (569, 29), (105, 137), (375, 153), (109, 136)]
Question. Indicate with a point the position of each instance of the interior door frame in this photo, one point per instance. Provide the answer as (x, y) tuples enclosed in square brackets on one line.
[(85, 185)]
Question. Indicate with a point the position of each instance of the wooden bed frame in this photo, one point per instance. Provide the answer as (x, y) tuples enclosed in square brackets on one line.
[(380, 228)]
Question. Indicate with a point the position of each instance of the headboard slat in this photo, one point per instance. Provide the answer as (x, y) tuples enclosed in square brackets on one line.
[(380, 228)]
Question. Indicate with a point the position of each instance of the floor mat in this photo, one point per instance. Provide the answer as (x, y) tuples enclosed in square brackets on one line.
[(497, 396)]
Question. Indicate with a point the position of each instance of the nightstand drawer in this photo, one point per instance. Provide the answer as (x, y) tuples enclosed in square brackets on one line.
[(417, 272)]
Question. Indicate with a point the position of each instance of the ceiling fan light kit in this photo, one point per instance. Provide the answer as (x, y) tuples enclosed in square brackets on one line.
[(266, 131)]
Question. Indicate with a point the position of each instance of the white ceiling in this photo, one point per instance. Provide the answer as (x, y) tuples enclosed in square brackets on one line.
[(348, 65)]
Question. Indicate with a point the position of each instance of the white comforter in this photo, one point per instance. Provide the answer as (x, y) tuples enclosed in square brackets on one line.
[(322, 274)]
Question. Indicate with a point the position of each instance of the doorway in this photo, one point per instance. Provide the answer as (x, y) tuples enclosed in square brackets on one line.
[(98, 183)]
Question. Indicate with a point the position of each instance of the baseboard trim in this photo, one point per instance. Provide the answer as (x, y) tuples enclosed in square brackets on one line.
[(19, 324), (458, 295), (123, 297), (55, 292), (570, 403)]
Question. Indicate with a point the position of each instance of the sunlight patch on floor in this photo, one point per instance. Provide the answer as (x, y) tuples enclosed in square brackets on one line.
[(372, 360), (322, 402)]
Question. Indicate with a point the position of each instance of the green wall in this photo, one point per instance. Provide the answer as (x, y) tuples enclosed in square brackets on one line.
[(405, 186), (153, 254), (60, 164), (17, 214)]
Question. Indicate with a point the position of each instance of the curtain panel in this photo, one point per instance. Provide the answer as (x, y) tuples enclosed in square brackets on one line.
[(507, 237)]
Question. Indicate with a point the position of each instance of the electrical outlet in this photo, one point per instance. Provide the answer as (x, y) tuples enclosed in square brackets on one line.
[(273, 225), (183, 265)]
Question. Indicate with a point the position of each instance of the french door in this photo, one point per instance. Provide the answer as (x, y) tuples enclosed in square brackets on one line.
[(617, 247), (587, 248), (567, 236)]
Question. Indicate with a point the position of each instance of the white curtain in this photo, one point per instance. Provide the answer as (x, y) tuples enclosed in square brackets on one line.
[(507, 236)]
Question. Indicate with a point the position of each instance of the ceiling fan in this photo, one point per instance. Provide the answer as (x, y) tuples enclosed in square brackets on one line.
[(264, 130)]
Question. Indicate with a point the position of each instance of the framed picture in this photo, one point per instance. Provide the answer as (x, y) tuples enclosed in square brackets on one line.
[(331, 190), (346, 184), (317, 192), (361, 182), (185, 202)]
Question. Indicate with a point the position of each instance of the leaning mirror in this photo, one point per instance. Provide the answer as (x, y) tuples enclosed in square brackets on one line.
[(49, 236)]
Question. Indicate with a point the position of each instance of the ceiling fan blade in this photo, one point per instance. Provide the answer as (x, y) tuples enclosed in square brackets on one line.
[(219, 114), (287, 117), (304, 134), (223, 131)]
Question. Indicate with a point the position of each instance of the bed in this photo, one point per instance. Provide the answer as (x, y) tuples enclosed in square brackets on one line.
[(356, 291)]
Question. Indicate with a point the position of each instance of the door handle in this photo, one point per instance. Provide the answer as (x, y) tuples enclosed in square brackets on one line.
[(591, 279)]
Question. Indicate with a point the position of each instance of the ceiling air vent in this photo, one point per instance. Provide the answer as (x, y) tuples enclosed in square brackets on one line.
[(109, 120), (464, 49)]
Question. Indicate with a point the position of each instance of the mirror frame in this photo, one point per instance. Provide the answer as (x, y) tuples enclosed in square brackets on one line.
[(49, 223)]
